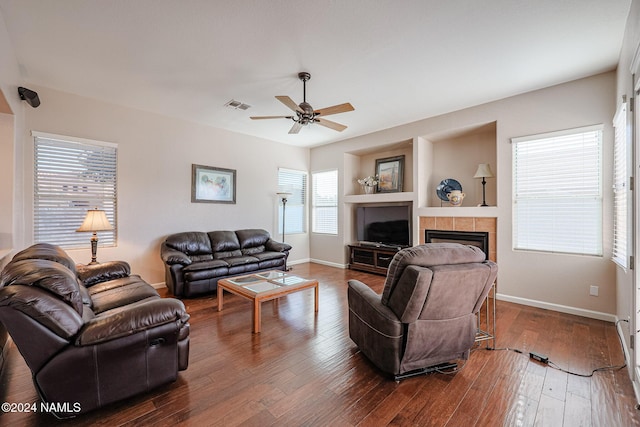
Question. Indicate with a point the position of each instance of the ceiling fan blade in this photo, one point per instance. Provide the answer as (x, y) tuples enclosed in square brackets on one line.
[(269, 117), (341, 108), (330, 124), (295, 128), (289, 103)]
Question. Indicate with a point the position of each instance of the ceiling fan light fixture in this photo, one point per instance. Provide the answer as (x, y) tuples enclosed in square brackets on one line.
[(305, 114)]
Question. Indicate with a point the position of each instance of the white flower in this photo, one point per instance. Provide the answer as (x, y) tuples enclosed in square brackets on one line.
[(369, 181)]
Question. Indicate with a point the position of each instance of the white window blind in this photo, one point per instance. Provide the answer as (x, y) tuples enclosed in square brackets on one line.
[(294, 182), (325, 202), (72, 176), (620, 188), (557, 192)]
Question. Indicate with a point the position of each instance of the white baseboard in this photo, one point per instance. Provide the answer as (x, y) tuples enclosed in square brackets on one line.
[(299, 261), (558, 307), (159, 285), (330, 264), (633, 376)]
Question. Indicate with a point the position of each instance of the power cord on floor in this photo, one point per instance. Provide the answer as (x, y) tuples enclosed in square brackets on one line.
[(545, 360), (453, 371)]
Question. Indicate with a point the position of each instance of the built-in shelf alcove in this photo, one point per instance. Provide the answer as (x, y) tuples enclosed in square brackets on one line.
[(362, 163), (456, 154)]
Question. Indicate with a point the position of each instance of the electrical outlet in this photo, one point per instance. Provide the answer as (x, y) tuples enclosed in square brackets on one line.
[(593, 291)]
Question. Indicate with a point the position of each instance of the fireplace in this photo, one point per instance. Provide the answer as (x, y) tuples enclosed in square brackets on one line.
[(475, 238)]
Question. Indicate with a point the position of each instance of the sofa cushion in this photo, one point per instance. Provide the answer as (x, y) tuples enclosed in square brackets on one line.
[(200, 258), (251, 238), (134, 291), (223, 241), (48, 275), (240, 260), (271, 264), (239, 269), (44, 308), (227, 254), (263, 256), (112, 284), (212, 273), (253, 250), (192, 243), (205, 265), (46, 251)]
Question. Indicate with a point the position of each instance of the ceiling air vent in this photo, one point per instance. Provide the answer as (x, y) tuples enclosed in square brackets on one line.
[(237, 105)]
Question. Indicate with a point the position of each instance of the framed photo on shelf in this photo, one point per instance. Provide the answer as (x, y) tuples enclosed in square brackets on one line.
[(212, 185), (390, 173)]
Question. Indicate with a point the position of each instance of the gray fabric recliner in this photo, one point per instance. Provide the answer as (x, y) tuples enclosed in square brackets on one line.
[(426, 314)]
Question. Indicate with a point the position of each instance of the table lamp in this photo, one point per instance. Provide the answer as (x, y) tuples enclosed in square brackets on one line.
[(484, 171), (96, 220)]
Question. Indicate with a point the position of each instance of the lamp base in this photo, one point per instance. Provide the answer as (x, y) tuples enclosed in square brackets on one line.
[(94, 249)]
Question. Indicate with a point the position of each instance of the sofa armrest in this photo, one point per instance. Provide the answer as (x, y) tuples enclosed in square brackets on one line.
[(98, 273), (272, 245), (367, 306), (133, 318), (173, 256)]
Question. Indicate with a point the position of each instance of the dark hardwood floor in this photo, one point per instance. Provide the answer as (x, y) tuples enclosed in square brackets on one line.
[(304, 370)]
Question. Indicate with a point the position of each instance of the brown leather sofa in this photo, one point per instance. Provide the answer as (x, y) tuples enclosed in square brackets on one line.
[(195, 261), (90, 336), (426, 315)]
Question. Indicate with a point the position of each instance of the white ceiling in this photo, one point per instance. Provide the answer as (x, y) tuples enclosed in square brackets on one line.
[(396, 61)]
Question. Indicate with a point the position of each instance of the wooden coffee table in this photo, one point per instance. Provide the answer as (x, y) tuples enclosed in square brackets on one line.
[(264, 286)]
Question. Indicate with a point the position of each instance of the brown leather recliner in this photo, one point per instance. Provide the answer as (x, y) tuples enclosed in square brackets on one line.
[(92, 336), (426, 315)]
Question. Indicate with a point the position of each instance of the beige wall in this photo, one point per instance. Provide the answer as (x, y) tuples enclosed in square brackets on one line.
[(458, 158), (551, 280), (155, 155), (6, 181)]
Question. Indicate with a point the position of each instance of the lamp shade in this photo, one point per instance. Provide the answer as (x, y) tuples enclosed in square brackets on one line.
[(96, 220), (484, 171)]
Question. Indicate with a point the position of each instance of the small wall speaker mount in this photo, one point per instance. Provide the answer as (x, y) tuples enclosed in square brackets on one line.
[(30, 96)]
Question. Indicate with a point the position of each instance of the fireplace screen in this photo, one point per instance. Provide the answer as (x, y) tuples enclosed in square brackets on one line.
[(475, 238)]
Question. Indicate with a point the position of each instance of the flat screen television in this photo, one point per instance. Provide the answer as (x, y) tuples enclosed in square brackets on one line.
[(388, 224)]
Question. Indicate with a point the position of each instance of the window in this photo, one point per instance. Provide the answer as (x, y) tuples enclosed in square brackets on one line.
[(620, 188), (294, 182), (71, 176), (325, 202), (557, 192)]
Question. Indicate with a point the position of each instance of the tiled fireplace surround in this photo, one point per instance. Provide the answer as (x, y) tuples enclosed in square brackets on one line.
[(458, 223)]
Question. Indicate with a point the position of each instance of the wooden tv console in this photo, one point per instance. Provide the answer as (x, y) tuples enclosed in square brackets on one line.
[(370, 258)]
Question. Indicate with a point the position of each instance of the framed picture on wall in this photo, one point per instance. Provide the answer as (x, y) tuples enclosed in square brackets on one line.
[(212, 185), (390, 173)]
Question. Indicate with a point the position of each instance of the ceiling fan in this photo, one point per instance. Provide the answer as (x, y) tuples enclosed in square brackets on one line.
[(305, 114)]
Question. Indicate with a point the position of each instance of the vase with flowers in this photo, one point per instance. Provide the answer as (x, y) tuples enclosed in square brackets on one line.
[(369, 184)]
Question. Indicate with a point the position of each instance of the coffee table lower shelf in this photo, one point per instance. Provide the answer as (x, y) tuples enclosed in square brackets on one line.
[(236, 286)]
